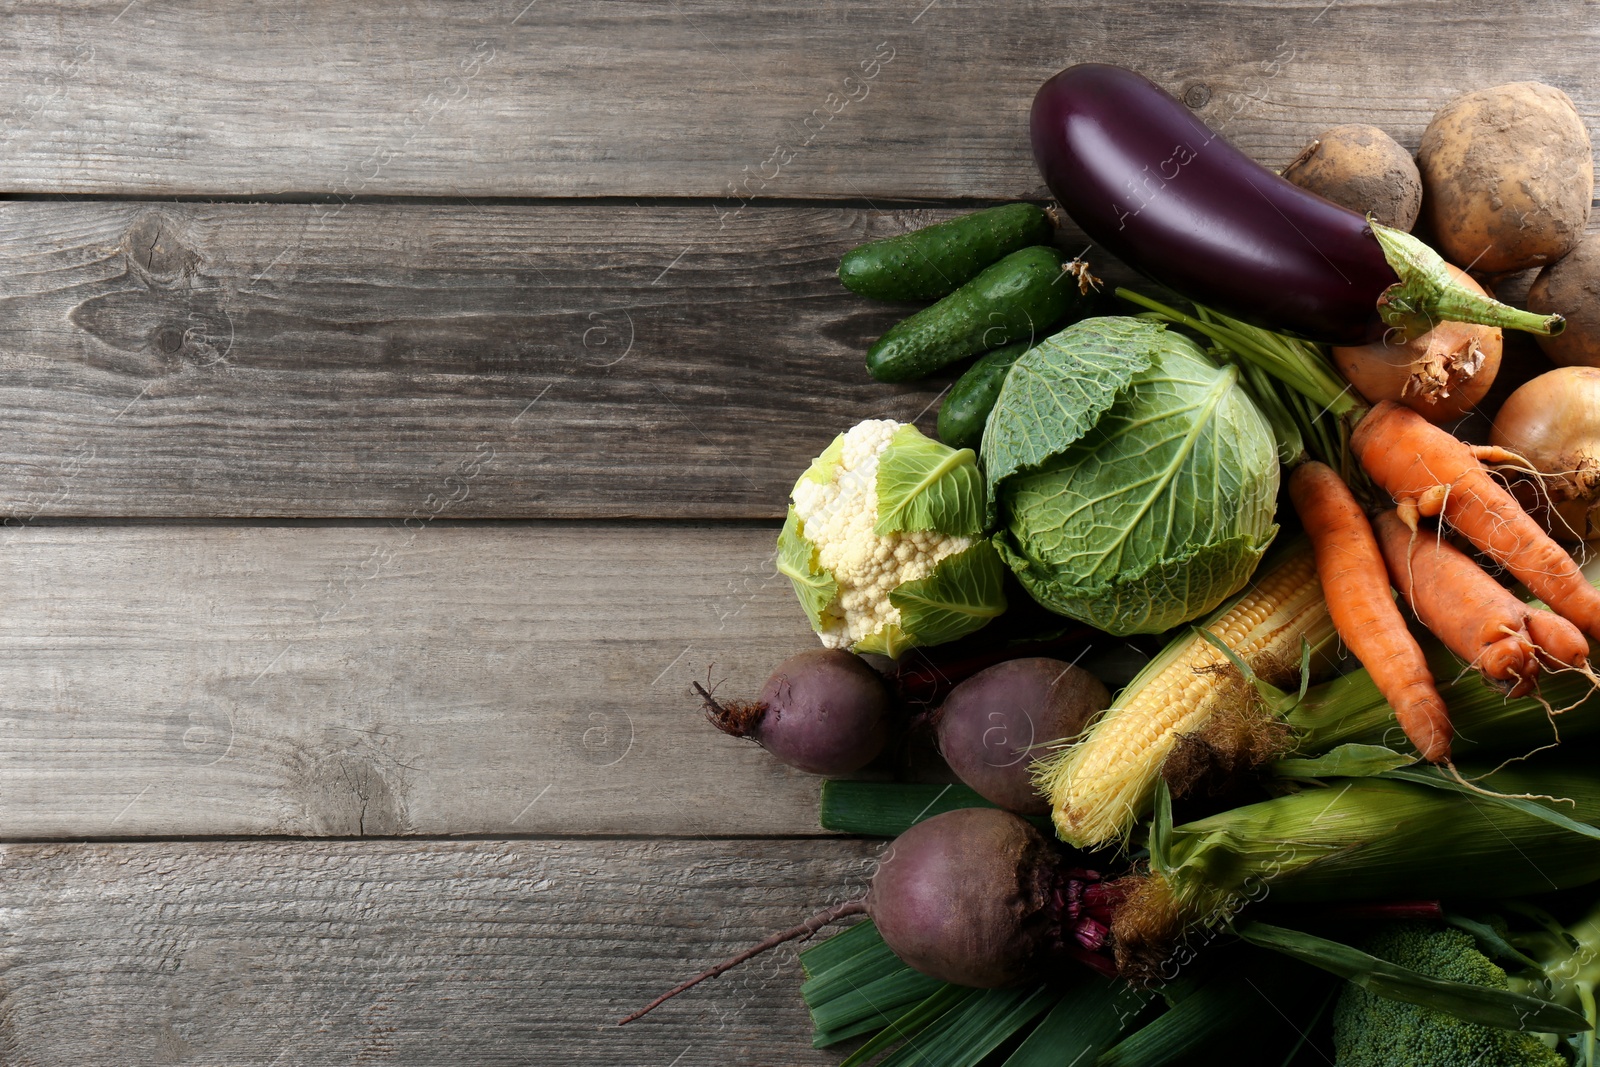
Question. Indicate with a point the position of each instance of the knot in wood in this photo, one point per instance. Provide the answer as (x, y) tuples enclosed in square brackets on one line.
[(156, 252)]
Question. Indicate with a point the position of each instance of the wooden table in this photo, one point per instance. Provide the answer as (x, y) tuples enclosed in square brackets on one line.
[(399, 403)]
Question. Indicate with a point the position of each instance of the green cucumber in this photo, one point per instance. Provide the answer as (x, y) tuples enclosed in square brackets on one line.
[(1017, 299), (937, 260), (967, 407)]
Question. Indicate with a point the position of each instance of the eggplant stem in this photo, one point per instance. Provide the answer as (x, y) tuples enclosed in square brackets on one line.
[(805, 929), (1426, 294)]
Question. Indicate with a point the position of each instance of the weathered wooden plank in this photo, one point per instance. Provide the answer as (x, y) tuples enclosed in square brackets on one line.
[(698, 97), (388, 680), (543, 360), (410, 953)]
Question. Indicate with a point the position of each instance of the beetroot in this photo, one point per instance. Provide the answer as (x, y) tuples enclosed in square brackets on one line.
[(978, 897), (990, 726), (974, 896), (824, 711)]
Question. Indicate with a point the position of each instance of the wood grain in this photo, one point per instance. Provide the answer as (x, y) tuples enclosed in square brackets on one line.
[(698, 97), (527, 260), (385, 680), (419, 953), (583, 360)]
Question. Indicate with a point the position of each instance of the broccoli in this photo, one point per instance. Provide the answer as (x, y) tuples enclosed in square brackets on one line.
[(1372, 1031)]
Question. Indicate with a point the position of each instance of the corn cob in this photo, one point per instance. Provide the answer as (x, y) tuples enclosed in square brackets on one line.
[(1100, 785)]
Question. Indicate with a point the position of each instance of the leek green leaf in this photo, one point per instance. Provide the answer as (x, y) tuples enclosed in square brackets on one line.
[(871, 1004), (949, 998), (1086, 1020), (1256, 996), (823, 957), (856, 985), (824, 991), (963, 1036), (889, 809)]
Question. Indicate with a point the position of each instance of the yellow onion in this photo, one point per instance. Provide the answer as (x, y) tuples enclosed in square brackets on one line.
[(1441, 374), (1554, 423)]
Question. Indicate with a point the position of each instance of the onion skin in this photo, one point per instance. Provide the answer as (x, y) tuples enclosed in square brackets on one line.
[(1441, 375), (1554, 423)]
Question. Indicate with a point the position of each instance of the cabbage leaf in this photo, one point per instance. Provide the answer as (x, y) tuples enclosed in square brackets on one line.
[(1131, 478)]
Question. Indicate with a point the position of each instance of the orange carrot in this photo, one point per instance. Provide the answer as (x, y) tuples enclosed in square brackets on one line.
[(1429, 472), (1357, 588), (1558, 641), (1475, 616)]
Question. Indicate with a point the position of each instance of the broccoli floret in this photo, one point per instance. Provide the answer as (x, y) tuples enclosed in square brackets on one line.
[(1373, 1031)]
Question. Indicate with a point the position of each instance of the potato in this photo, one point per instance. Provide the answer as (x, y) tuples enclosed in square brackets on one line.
[(1364, 169), (1507, 177), (1571, 287)]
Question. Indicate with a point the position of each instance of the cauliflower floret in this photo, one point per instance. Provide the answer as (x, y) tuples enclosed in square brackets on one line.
[(838, 517)]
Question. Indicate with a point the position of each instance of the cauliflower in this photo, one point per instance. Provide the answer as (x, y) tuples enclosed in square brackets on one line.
[(883, 541)]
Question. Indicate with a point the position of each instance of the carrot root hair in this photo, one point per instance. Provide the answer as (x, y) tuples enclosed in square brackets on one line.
[(1450, 771)]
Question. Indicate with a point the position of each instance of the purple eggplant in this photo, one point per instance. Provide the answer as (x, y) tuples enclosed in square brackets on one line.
[(1152, 185)]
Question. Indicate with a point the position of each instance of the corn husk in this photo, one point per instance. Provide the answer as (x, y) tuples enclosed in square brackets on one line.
[(1350, 710), (1371, 838), (1359, 839)]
